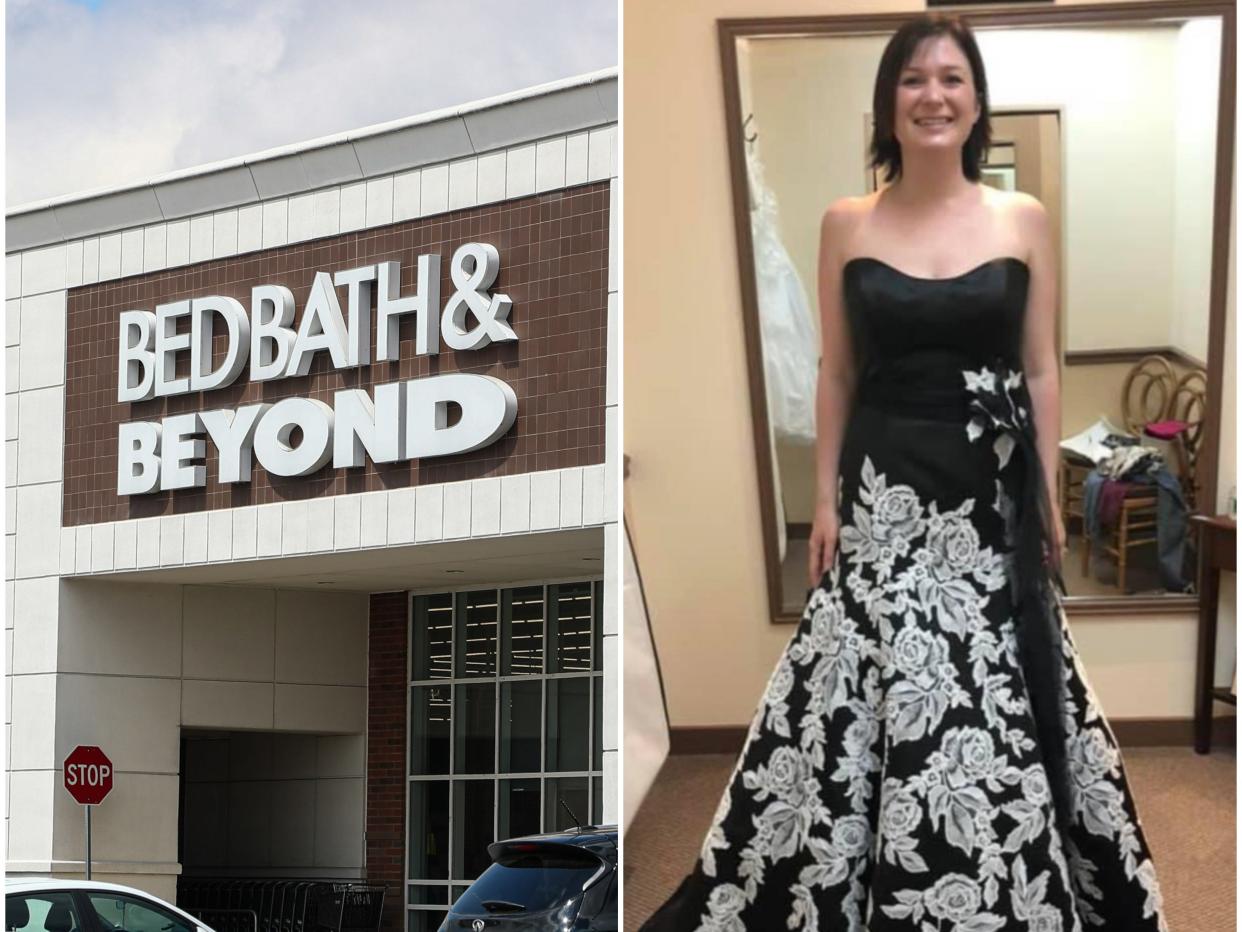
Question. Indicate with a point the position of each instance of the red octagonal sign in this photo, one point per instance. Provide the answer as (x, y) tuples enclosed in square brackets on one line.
[(88, 774)]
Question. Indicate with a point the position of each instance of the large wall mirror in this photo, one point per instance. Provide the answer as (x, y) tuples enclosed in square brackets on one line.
[(1121, 120)]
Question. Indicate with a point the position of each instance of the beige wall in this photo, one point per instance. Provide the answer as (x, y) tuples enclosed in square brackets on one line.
[(692, 486)]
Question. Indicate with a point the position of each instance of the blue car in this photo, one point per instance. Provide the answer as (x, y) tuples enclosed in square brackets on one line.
[(543, 883)]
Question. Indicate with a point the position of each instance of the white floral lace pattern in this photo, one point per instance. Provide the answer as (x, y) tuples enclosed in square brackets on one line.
[(895, 737)]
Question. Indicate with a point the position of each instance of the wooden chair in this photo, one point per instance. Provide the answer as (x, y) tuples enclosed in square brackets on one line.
[(1146, 398)]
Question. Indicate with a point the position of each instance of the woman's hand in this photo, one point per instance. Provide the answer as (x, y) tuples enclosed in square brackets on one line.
[(823, 541)]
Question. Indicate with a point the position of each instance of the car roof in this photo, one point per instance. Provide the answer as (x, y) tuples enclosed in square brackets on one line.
[(592, 837), (19, 885)]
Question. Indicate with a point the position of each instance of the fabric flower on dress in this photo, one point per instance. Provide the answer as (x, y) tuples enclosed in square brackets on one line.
[(994, 405)]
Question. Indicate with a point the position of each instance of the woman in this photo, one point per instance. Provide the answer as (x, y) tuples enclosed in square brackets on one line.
[(928, 755)]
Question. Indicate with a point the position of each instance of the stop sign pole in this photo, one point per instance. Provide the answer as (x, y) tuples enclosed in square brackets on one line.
[(88, 778)]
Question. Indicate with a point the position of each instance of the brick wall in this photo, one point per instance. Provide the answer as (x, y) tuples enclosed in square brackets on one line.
[(386, 766)]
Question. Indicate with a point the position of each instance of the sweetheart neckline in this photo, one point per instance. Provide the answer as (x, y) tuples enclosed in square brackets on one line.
[(952, 278)]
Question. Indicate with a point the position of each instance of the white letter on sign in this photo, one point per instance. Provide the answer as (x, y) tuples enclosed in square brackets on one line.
[(138, 458), (424, 303), (378, 427), (202, 379), (474, 269), (233, 435), (136, 378), (168, 343), (359, 282), (179, 448), (271, 337), (272, 440), (322, 328), (488, 409)]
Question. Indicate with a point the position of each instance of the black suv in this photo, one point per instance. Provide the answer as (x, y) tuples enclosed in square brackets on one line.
[(542, 883)]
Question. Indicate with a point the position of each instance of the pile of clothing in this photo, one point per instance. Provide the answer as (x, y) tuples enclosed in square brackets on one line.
[(1129, 464)]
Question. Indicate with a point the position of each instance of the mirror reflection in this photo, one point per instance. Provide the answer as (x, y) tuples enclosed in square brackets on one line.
[(1113, 128)]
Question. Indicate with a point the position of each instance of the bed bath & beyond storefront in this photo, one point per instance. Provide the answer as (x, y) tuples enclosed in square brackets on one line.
[(311, 481)]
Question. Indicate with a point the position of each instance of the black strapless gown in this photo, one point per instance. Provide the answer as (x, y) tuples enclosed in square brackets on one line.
[(905, 770)]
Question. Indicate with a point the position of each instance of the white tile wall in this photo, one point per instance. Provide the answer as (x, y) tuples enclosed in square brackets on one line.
[(320, 517), (348, 528), (327, 213), (42, 437), (485, 507), (73, 264), (407, 196), (11, 405), (321, 708), (230, 634), (13, 275), (34, 697), (31, 804), (275, 223), (103, 543), (401, 516), (202, 234), (131, 252), (35, 629), (374, 519), (12, 368), (244, 530), (269, 528), (545, 500), (428, 513), (293, 528), (593, 495), (353, 207), (219, 535), (82, 550), (224, 240), (463, 184), (135, 718), (42, 351), (250, 228), (321, 637), (301, 217), (514, 504), (195, 530), (457, 510), (120, 629), (43, 270), (210, 704), (550, 165), (147, 551), (571, 497), (434, 190), (109, 256), (520, 171), (90, 261), (491, 177), (12, 321), (172, 540), (38, 522), (178, 242), (154, 247), (576, 151), (379, 202), (125, 545)]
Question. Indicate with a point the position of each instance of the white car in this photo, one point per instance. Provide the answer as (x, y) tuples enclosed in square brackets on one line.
[(42, 904)]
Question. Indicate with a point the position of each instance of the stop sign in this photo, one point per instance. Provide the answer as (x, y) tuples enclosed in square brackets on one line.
[(88, 774)]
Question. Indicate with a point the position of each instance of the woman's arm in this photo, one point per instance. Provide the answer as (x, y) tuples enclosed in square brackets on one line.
[(834, 387), (1039, 350)]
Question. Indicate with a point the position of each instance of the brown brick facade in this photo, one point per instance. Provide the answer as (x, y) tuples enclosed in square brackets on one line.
[(553, 265), (386, 766)]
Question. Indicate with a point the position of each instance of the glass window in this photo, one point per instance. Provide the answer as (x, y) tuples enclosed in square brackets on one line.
[(429, 822), (477, 620), (520, 719), (117, 912), (433, 637), (41, 912), (519, 809), (597, 723), (561, 797), (568, 723), (475, 728), (530, 882), (421, 894), (522, 636), (473, 809), (597, 800), (430, 719), (569, 628), (597, 628)]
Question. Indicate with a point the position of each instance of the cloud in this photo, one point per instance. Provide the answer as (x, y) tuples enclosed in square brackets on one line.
[(114, 91)]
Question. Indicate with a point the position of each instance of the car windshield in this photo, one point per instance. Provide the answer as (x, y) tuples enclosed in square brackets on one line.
[(529, 882)]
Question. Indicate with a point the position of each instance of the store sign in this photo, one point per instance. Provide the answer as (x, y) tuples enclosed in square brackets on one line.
[(401, 421)]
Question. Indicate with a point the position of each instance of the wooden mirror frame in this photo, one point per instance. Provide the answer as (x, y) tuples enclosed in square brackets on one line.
[(729, 31)]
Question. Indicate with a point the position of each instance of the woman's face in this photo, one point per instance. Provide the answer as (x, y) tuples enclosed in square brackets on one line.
[(937, 104)]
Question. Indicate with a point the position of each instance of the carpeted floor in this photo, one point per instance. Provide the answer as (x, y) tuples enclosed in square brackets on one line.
[(1186, 803)]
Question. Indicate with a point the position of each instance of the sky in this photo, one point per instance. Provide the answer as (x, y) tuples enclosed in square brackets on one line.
[(106, 92)]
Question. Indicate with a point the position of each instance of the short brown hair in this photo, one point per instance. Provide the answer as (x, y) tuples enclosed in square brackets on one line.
[(885, 149)]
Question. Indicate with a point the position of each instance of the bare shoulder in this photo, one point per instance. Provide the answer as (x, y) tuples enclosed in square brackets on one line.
[(1023, 209), (841, 218)]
